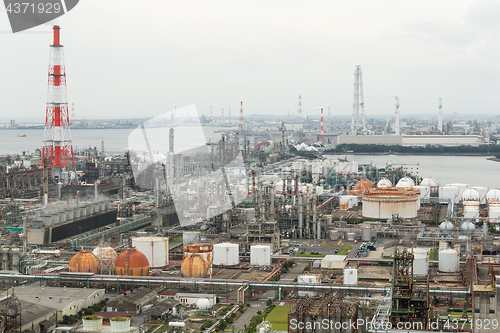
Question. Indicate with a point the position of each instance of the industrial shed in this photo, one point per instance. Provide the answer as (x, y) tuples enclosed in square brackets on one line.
[(35, 317), (162, 309), (191, 298), (132, 301), (334, 261)]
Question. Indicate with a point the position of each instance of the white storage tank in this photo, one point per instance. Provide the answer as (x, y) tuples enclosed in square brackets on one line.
[(425, 191), (69, 214), (420, 261), (92, 323), (154, 248), (334, 235), (448, 261), (350, 236), (471, 194), (308, 279), (366, 233), (482, 193), (189, 237), (384, 182), (470, 209), (446, 227), (405, 182), (226, 254), (467, 228), (260, 255), (450, 192), (462, 187), (351, 200), (120, 324), (493, 195), (432, 183), (494, 211), (350, 276)]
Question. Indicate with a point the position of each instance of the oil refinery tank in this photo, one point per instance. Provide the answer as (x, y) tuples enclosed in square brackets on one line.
[(84, 261), (462, 187), (448, 261), (107, 256), (154, 248), (482, 190), (366, 233), (467, 228), (260, 255), (494, 211), (493, 195), (363, 185), (195, 266), (132, 262), (384, 202), (420, 262), (334, 235), (470, 209), (425, 191), (347, 201), (471, 194), (405, 182), (384, 182), (350, 276), (350, 236), (446, 227), (432, 183), (226, 254), (450, 193)]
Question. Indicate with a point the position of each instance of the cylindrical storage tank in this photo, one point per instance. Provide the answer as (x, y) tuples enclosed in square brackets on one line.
[(432, 183), (226, 254), (493, 195), (470, 209), (425, 191), (120, 324), (83, 211), (405, 182), (92, 323), (84, 261), (420, 261), (69, 214), (462, 187), (350, 236), (132, 262), (494, 211), (47, 219), (384, 182), (350, 276), (96, 207), (196, 266), (77, 212), (448, 261), (471, 194), (5, 258), (90, 209), (383, 203), (54, 218), (260, 255), (16, 252), (205, 250), (334, 235), (154, 248), (102, 206), (62, 216), (483, 191), (348, 200), (189, 237), (366, 233), (450, 192)]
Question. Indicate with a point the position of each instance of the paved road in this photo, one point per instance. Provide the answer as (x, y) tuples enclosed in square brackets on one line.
[(250, 311)]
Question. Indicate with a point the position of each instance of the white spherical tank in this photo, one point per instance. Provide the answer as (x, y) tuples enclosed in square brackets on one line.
[(450, 192), (154, 248), (203, 304), (493, 195), (482, 193), (425, 191), (431, 182), (448, 261), (384, 182), (226, 254), (260, 255), (350, 276), (471, 194), (467, 228), (405, 182), (446, 227)]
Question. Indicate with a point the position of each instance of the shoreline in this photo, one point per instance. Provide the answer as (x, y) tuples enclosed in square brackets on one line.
[(418, 154)]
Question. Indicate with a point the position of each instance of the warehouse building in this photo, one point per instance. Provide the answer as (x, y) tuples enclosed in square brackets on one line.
[(132, 301)]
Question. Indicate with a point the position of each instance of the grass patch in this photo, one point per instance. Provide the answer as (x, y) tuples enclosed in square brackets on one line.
[(310, 255), (346, 247), (342, 253), (432, 254), (278, 317)]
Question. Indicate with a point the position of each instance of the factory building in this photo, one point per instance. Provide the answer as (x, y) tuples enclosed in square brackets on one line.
[(35, 317), (192, 298), (132, 301), (334, 261), (411, 140)]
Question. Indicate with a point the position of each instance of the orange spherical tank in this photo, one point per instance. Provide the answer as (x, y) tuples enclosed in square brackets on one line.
[(195, 266), (84, 261), (363, 185), (132, 262)]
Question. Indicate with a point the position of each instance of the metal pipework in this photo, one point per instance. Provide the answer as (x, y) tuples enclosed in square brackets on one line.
[(301, 215)]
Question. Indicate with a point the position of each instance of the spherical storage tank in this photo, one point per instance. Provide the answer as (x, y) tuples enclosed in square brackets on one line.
[(384, 182), (431, 182), (132, 262), (467, 228), (363, 185), (197, 260), (493, 195), (482, 193), (448, 261), (107, 256), (405, 182), (471, 194), (154, 248), (203, 304), (226, 254), (84, 261), (446, 227), (384, 202)]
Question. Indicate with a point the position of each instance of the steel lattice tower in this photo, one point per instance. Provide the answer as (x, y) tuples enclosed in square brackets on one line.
[(57, 147), (358, 106)]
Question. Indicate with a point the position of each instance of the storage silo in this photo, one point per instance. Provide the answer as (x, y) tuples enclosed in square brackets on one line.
[(448, 261), (260, 255), (382, 203), (308, 279), (226, 254), (366, 233), (420, 261), (154, 248), (350, 276), (334, 235), (450, 192), (189, 237)]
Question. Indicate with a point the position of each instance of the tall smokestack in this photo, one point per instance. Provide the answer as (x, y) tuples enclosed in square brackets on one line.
[(440, 119)]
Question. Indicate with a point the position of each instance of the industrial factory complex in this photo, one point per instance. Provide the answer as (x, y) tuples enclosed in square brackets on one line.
[(258, 231)]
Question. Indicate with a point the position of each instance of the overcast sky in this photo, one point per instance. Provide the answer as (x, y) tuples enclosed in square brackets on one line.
[(141, 58)]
